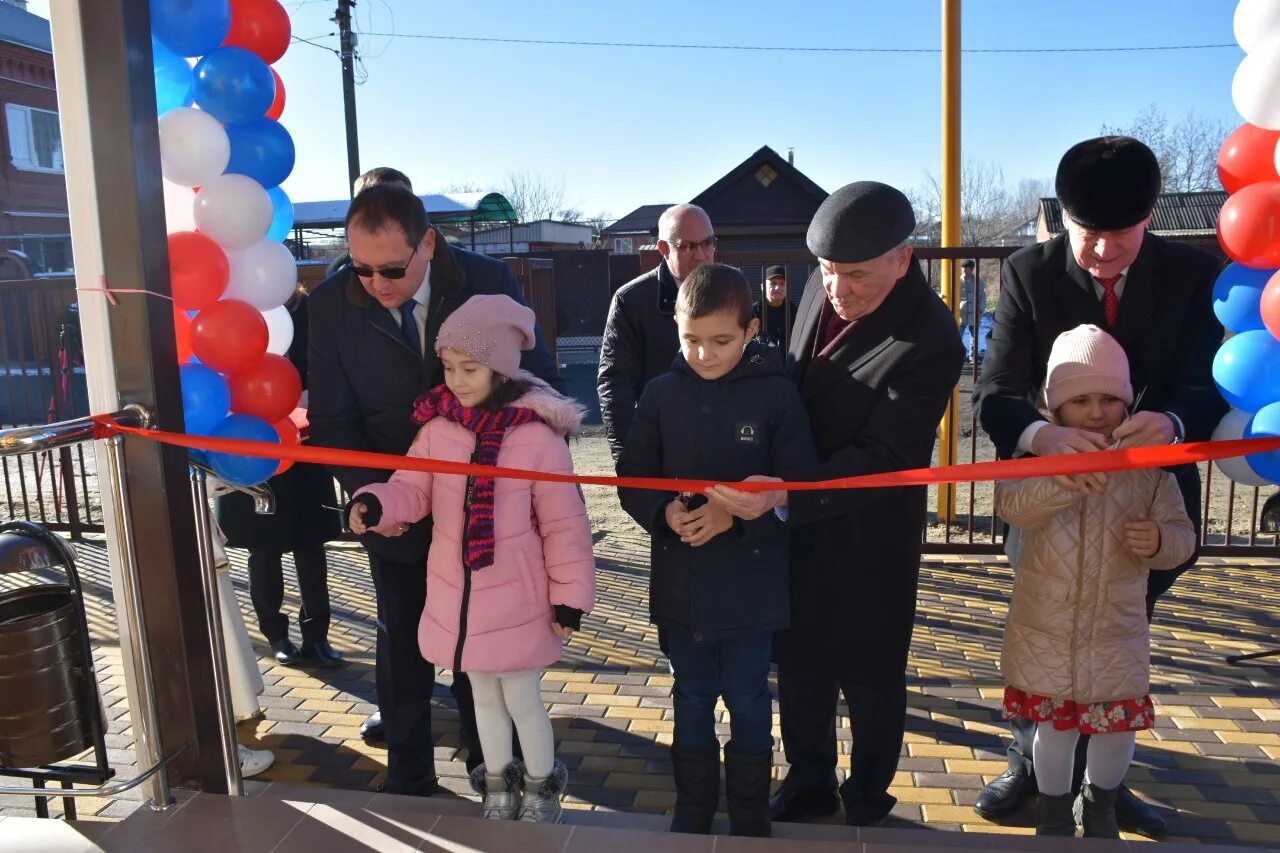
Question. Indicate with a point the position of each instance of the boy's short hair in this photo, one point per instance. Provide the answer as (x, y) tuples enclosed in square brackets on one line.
[(715, 289)]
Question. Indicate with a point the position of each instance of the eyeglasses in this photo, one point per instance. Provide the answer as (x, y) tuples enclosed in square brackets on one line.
[(682, 246), (390, 273)]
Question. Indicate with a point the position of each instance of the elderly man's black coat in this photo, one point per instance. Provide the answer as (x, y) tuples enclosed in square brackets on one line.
[(364, 377), (874, 403), (1166, 326)]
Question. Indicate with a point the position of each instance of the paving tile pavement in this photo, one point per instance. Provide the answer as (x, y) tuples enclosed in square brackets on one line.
[(1210, 763)]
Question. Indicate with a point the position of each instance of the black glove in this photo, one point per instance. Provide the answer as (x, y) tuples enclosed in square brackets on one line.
[(568, 617), (372, 510)]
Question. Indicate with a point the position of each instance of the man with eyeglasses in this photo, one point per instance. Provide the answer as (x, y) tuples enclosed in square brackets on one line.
[(640, 340), (372, 335), (1155, 297)]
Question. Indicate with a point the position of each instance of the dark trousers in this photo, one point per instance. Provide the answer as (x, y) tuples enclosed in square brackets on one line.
[(877, 715), (736, 668), (266, 590), (406, 681)]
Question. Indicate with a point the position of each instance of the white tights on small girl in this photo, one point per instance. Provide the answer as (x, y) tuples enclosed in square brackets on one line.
[(1054, 755), (504, 698)]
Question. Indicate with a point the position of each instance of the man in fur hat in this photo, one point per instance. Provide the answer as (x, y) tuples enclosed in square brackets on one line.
[(1154, 297)]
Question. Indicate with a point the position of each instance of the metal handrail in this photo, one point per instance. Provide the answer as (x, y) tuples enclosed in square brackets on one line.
[(108, 790), (264, 500), (36, 439)]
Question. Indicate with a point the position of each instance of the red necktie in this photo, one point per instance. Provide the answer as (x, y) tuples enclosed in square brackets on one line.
[(1110, 301)]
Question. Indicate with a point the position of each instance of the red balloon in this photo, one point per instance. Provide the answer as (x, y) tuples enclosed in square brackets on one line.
[(1248, 156), (289, 437), (260, 26), (182, 332), (268, 388), (277, 104), (1249, 225), (1270, 306), (229, 336), (198, 270)]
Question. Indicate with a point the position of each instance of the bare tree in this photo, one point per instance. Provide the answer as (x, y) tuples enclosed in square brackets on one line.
[(535, 197), (1187, 149), (989, 210)]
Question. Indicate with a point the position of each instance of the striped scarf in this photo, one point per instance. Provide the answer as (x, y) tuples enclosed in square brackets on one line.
[(489, 427)]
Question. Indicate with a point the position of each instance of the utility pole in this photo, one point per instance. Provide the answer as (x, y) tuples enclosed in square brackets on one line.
[(348, 47)]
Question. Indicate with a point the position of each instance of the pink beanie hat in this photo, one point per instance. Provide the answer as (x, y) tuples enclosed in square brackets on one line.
[(1086, 360), (492, 329)]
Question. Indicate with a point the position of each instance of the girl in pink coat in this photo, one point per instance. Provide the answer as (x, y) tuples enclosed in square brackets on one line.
[(510, 570)]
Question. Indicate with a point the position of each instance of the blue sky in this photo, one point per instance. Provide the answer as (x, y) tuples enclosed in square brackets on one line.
[(622, 127)]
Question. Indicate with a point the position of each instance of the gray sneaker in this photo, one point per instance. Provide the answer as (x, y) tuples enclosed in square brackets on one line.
[(501, 793), (541, 801)]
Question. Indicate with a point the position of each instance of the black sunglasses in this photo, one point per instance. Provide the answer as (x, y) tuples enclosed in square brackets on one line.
[(391, 273)]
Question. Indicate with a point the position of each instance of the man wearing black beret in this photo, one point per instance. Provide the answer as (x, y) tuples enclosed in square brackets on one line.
[(1154, 296), (876, 355)]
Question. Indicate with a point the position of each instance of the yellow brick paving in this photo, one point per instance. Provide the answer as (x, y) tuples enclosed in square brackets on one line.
[(1212, 762)]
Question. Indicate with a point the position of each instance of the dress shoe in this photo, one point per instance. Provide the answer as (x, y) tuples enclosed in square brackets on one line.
[(322, 654), (285, 652), (797, 805), (372, 731), (1006, 793), (1136, 815), (424, 788)]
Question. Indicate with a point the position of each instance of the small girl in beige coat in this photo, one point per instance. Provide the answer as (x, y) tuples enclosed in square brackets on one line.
[(1076, 653)]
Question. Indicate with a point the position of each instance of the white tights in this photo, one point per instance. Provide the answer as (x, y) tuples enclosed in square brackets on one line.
[(1054, 755), (506, 697)]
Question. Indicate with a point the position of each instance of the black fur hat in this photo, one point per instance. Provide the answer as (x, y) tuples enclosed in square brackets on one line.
[(1108, 183)]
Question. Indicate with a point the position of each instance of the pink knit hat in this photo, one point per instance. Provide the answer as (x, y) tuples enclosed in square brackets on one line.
[(492, 329), (1086, 360)]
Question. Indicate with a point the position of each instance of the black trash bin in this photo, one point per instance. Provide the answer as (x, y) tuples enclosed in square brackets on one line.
[(49, 705)]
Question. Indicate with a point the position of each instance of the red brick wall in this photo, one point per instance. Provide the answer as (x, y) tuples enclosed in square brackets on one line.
[(26, 78)]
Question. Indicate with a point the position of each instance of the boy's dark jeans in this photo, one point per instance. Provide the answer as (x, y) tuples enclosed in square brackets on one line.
[(737, 669)]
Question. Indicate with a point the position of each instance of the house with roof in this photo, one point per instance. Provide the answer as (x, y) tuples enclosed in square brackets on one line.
[(1190, 217)]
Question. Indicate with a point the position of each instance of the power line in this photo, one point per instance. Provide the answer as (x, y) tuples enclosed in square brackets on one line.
[(317, 44), (673, 46)]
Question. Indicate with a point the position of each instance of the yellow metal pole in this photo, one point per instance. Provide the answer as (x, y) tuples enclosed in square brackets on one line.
[(950, 225)]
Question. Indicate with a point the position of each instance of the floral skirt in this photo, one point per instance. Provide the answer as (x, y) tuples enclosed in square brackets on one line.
[(1121, 715)]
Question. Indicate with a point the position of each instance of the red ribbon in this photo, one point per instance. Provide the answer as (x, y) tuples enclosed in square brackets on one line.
[(1012, 469)]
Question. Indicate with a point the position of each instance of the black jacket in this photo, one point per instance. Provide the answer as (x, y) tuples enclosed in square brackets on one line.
[(640, 339), (750, 421), (364, 377), (874, 402), (306, 508), (1166, 326), (776, 322)]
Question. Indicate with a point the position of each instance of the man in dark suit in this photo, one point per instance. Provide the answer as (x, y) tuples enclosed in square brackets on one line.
[(373, 329), (876, 355), (1154, 296)]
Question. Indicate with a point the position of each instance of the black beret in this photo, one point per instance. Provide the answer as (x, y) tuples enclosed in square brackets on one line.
[(775, 271), (1108, 183), (859, 222)]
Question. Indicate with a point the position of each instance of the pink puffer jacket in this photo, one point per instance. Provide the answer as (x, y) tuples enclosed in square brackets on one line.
[(542, 554), (1077, 627)]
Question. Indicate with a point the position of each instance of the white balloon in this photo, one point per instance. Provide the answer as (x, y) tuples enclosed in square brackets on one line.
[(1254, 87), (233, 210), (1236, 468), (1255, 22), (264, 275), (179, 208), (194, 148), (279, 330)]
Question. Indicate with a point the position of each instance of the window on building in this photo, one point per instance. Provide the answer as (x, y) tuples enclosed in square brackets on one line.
[(48, 254), (623, 246), (35, 143)]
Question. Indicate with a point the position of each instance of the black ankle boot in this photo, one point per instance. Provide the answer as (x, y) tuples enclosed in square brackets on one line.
[(1098, 812), (697, 776), (1055, 815), (746, 790)]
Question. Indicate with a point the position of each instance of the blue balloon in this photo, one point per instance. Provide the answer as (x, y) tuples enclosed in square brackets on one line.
[(234, 86), (198, 456), (261, 149), (1236, 295), (190, 27), (281, 215), (1265, 423), (205, 398), (238, 470), (173, 79), (1247, 370)]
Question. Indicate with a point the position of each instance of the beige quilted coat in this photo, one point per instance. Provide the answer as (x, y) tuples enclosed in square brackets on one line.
[(1077, 627)]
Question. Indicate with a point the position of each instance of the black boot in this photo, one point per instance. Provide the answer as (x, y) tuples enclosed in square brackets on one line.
[(746, 790), (1055, 816), (1098, 811), (697, 775)]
